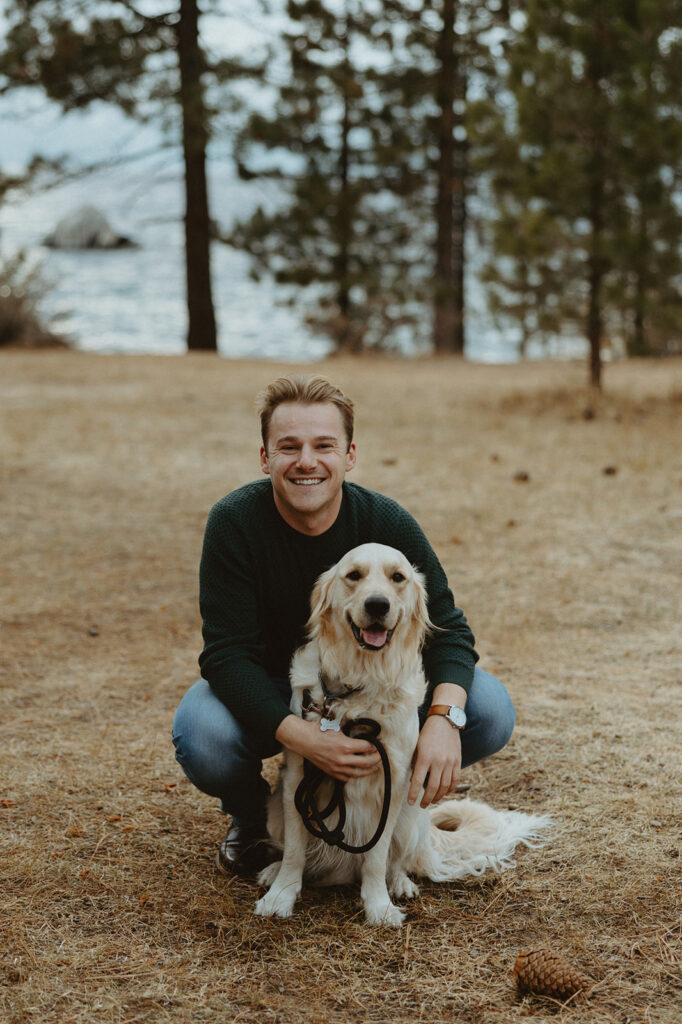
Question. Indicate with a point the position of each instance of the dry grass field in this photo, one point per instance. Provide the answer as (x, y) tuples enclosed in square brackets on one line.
[(110, 907)]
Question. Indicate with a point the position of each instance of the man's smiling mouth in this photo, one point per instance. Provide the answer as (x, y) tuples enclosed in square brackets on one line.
[(307, 481)]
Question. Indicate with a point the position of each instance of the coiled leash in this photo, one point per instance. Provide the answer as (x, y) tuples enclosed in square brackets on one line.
[(313, 777)]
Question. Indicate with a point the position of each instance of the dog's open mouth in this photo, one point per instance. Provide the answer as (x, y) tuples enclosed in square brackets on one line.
[(372, 637)]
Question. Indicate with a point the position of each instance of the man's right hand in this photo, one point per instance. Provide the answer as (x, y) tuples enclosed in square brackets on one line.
[(335, 753)]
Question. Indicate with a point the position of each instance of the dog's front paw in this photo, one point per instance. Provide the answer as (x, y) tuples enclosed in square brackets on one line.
[(384, 914), (403, 887), (268, 875), (277, 904)]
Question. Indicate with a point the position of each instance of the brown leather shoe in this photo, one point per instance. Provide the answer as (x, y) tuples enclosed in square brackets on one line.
[(245, 850)]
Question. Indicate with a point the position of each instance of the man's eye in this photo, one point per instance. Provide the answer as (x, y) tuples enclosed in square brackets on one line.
[(397, 577), (353, 575)]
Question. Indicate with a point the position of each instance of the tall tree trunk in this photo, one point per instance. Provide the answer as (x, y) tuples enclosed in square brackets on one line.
[(595, 268), (595, 259), (201, 330), (347, 341), (459, 225), (526, 305), (447, 320), (459, 212), (594, 312), (638, 344)]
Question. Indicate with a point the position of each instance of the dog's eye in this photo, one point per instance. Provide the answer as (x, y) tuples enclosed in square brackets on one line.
[(353, 575), (397, 577)]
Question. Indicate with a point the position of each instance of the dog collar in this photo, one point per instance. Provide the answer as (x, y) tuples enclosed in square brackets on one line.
[(328, 719), (346, 692)]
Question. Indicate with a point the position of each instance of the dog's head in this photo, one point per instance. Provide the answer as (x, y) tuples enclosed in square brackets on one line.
[(373, 598)]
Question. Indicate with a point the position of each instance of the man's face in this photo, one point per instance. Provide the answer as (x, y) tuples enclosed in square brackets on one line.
[(307, 458)]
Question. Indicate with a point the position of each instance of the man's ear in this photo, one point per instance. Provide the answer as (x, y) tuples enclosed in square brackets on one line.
[(351, 457), (264, 460)]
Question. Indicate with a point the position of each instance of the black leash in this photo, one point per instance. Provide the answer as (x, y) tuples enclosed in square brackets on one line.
[(313, 777)]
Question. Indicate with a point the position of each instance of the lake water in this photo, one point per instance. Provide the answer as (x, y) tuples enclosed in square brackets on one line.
[(133, 300)]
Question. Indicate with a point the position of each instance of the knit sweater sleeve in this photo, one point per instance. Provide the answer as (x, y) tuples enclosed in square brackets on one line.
[(232, 660), (449, 653)]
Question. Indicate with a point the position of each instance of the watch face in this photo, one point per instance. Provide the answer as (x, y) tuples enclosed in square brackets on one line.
[(457, 717)]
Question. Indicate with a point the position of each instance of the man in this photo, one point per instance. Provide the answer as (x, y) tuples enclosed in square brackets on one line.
[(265, 545)]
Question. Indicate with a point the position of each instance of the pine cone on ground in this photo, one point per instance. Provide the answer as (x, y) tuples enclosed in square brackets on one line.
[(543, 972)]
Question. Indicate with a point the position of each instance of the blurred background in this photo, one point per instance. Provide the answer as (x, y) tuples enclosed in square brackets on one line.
[(289, 179)]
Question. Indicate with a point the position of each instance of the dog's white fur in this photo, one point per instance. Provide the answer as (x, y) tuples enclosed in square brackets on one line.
[(448, 841)]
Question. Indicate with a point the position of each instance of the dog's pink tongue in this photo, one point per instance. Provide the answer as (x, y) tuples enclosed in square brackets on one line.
[(374, 637)]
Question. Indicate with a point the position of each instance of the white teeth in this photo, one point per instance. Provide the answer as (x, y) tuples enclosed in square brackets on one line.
[(308, 482)]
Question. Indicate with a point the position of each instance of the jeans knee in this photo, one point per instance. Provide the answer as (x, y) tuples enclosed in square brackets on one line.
[(503, 726), (209, 774), (492, 722)]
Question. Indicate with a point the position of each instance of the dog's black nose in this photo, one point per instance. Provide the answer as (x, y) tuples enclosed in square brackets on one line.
[(377, 605)]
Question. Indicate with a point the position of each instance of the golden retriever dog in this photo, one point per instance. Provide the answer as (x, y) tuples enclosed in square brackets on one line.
[(363, 660)]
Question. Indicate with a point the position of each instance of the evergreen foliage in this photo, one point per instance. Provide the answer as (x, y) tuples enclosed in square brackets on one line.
[(337, 228), (374, 205), (79, 53), (648, 288), (583, 153), (563, 118), (439, 48)]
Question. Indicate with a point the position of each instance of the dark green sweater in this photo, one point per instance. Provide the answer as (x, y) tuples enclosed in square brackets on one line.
[(256, 576)]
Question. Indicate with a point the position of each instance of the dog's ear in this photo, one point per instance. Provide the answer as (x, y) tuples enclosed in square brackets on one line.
[(421, 613), (321, 604)]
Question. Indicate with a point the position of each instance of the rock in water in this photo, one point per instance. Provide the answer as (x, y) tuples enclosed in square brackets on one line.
[(86, 228)]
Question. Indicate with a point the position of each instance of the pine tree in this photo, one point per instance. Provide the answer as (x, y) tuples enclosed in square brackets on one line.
[(450, 211), (582, 212), (439, 47), (374, 110), (531, 271), (336, 229), (201, 327), (79, 53), (649, 286)]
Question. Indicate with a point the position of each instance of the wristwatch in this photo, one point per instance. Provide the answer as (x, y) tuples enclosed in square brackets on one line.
[(455, 716)]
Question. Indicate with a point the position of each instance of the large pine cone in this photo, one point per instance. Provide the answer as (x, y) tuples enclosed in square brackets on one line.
[(541, 971)]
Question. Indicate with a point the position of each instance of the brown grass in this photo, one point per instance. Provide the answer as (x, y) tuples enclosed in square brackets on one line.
[(111, 910)]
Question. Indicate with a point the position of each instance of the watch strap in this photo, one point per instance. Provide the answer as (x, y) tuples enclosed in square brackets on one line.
[(442, 709)]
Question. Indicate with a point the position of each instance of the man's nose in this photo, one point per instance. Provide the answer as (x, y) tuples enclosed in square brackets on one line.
[(307, 458)]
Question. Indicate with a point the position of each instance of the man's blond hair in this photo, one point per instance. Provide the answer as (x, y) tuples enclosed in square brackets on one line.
[(307, 391)]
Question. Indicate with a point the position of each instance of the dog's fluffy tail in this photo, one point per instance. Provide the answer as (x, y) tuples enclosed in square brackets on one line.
[(468, 838)]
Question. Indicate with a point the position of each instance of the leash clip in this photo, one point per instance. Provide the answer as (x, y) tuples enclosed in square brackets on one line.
[(329, 719)]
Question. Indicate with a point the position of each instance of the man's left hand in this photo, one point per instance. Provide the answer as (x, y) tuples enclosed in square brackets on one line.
[(438, 755)]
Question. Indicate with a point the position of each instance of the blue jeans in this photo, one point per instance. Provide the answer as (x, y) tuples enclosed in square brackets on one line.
[(221, 759)]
